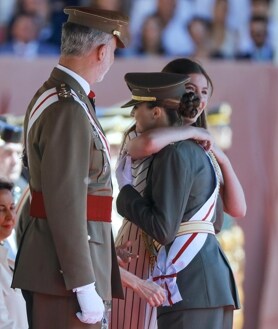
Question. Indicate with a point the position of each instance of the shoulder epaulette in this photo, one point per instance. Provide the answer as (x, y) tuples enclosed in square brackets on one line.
[(64, 92)]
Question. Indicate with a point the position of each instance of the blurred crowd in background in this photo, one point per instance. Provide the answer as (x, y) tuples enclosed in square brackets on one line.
[(222, 29)]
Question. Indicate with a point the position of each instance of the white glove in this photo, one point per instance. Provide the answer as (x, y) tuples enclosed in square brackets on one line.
[(91, 305), (123, 171)]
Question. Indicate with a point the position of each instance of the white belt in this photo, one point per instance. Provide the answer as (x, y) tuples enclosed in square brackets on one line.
[(195, 227), (189, 228)]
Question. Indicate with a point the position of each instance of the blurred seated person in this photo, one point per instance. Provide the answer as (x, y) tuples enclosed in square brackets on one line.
[(11, 149), (175, 39), (260, 48), (260, 7), (122, 6), (173, 14), (199, 29), (151, 37), (6, 12), (25, 41), (57, 17), (224, 38), (41, 10), (11, 169), (12, 304)]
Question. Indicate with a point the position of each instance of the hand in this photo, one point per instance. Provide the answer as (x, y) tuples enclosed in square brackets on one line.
[(91, 305), (203, 137), (123, 171), (151, 292), (148, 290), (124, 255)]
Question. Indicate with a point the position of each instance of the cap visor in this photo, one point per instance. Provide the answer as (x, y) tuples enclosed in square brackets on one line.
[(133, 102)]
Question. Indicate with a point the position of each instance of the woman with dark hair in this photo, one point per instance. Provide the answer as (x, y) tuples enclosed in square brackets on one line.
[(142, 146), (122, 311), (12, 305), (177, 209), (154, 140)]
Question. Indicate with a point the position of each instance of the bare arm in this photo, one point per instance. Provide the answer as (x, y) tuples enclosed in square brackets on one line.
[(153, 140), (149, 291), (231, 190)]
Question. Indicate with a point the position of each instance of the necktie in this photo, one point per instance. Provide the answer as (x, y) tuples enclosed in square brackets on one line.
[(92, 97)]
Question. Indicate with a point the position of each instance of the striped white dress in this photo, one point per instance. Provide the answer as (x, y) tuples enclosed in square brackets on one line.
[(134, 312)]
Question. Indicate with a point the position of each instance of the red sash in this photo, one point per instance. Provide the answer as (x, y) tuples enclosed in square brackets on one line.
[(99, 207)]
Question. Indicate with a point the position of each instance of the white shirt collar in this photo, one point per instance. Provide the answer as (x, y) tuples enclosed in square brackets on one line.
[(84, 84)]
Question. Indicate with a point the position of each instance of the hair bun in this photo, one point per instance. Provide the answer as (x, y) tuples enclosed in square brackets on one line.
[(189, 104)]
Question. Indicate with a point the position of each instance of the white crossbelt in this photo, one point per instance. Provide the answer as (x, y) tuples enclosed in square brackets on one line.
[(49, 97), (187, 244)]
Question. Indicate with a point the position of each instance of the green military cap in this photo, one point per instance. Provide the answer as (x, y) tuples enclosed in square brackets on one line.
[(108, 21), (153, 86)]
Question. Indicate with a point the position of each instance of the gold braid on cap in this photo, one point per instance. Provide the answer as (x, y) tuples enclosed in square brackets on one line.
[(144, 98)]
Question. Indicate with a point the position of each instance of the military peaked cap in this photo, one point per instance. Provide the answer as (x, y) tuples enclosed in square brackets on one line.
[(10, 133), (153, 86), (108, 21)]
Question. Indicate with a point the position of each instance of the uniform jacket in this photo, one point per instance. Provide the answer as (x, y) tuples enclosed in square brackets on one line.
[(180, 181), (66, 162)]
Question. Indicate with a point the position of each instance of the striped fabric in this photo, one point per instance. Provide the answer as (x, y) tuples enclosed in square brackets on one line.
[(133, 312)]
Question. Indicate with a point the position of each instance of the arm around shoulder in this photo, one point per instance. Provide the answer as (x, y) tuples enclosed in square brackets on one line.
[(153, 140)]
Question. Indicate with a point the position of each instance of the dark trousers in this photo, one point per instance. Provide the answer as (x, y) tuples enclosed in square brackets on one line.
[(55, 312), (214, 318)]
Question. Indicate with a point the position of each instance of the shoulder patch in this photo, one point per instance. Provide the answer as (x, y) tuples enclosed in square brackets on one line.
[(64, 92)]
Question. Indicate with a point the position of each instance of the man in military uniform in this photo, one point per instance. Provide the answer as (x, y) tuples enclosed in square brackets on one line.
[(66, 261)]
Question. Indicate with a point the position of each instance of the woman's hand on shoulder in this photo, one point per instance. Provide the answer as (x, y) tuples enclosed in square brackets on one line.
[(202, 136)]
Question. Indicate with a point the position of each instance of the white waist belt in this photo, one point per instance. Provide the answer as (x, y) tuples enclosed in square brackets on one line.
[(196, 227)]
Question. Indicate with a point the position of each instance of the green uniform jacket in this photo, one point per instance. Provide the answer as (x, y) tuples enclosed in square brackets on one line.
[(66, 162), (180, 181)]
